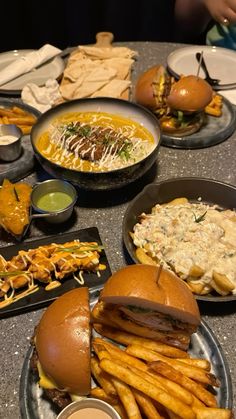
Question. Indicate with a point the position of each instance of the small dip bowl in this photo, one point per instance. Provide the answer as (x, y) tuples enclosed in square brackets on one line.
[(89, 409), (10, 142), (54, 200)]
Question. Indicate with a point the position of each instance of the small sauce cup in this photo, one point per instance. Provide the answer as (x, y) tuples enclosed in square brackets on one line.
[(54, 200), (10, 142), (89, 409)]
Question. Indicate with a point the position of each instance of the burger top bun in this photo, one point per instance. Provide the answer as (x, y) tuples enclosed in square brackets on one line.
[(63, 341), (190, 93), (139, 285), (144, 91)]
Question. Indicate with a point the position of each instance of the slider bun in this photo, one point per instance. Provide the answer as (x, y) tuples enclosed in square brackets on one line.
[(138, 285), (63, 341), (144, 89), (190, 93)]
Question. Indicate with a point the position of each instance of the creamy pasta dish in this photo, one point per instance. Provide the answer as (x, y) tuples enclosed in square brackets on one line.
[(195, 240)]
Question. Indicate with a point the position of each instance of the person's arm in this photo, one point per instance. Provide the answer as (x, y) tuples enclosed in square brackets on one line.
[(191, 19), (221, 10), (193, 16)]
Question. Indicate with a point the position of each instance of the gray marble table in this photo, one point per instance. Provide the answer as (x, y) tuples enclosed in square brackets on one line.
[(106, 211)]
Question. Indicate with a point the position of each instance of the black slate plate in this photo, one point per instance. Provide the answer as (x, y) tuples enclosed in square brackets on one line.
[(210, 191), (41, 297), (204, 344), (214, 131), (19, 168)]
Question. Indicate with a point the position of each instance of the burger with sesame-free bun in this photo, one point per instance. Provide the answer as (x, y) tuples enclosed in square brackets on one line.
[(179, 105), (150, 302), (61, 357)]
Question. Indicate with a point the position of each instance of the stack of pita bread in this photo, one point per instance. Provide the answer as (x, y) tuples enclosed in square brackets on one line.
[(94, 71)]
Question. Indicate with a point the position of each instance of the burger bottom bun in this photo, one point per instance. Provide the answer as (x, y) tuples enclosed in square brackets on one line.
[(63, 341), (197, 121)]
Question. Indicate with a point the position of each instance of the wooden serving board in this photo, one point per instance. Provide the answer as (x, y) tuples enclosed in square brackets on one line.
[(103, 40)]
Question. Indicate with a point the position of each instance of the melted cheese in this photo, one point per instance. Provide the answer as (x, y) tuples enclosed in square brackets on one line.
[(44, 380)]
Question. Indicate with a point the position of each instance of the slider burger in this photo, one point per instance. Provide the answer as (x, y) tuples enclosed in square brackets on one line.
[(149, 302), (61, 357), (178, 105)]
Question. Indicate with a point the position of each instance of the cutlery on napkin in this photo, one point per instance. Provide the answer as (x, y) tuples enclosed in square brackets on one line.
[(25, 64)]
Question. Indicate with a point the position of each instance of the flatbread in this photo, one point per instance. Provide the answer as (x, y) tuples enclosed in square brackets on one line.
[(98, 71)]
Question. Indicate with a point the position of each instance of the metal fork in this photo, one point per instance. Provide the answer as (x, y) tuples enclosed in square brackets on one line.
[(208, 78)]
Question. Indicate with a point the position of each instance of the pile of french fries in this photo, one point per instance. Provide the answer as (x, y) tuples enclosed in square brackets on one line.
[(148, 379), (18, 116)]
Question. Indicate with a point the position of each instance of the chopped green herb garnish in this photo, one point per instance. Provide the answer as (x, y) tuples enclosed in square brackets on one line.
[(200, 218), (12, 273), (77, 249)]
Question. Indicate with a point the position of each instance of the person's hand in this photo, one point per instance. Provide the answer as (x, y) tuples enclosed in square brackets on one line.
[(222, 11)]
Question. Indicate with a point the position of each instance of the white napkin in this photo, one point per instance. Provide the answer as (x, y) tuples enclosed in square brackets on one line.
[(229, 94), (41, 98), (25, 64)]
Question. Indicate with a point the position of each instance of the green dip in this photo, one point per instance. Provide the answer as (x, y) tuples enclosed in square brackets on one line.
[(54, 201)]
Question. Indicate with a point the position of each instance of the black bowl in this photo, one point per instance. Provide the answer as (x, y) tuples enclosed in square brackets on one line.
[(210, 191), (99, 180)]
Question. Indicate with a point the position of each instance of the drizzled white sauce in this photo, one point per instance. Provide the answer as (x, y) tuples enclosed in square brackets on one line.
[(62, 149)]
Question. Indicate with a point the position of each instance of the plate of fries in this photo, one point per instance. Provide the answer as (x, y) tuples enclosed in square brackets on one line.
[(24, 116), (159, 202), (142, 378), (17, 113)]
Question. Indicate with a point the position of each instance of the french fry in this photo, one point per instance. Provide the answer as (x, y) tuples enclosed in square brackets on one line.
[(196, 271), (122, 355), (98, 316), (18, 116), (196, 389), (172, 415), (196, 362), (195, 373), (103, 379), (209, 413), (19, 111), (129, 339), (140, 368), (146, 405), (156, 393), (198, 287), (169, 386), (177, 201), (218, 289), (5, 120), (127, 398), (26, 129), (100, 394), (26, 120), (143, 257), (197, 402), (6, 112), (120, 409), (223, 281)]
